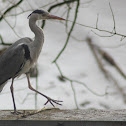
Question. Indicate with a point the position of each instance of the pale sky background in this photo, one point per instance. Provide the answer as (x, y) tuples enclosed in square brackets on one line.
[(76, 62)]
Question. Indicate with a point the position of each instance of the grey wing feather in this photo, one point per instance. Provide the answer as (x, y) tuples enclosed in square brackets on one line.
[(10, 63)]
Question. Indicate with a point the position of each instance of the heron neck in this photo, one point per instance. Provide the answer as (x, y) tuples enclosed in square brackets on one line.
[(36, 45), (39, 36)]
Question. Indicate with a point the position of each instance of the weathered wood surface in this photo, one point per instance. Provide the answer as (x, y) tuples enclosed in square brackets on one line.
[(75, 115)]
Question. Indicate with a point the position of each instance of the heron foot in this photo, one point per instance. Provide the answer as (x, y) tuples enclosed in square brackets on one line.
[(16, 112), (52, 101)]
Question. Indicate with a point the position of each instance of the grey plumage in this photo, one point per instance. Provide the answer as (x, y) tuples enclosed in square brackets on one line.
[(14, 61), (23, 54)]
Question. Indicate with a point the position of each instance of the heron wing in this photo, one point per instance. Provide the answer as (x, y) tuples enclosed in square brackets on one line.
[(11, 61)]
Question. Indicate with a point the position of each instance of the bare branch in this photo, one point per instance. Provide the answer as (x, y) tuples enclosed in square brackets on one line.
[(79, 82), (101, 30), (60, 4), (9, 9), (110, 60), (92, 48), (68, 37), (57, 5)]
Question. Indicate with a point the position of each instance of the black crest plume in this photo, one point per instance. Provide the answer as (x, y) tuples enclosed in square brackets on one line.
[(37, 11)]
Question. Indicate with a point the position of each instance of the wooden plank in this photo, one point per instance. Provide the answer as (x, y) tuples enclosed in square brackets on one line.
[(67, 115)]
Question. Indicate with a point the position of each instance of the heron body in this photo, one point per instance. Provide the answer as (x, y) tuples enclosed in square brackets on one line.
[(23, 54)]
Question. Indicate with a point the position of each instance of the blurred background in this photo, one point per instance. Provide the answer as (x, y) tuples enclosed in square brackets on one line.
[(83, 59)]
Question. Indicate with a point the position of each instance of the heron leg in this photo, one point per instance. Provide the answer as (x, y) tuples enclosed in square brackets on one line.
[(52, 101), (12, 93)]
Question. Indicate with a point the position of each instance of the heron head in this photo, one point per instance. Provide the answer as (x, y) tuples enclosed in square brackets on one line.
[(43, 15)]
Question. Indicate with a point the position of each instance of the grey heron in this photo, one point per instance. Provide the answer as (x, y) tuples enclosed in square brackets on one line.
[(23, 54)]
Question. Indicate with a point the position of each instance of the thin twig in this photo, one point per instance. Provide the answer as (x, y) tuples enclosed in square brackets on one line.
[(15, 20), (79, 82), (74, 92), (9, 9), (71, 29), (102, 35), (12, 28), (3, 43), (97, 21), (23, 11), (102, 30), (67, 17), (55, 6), (114, 28)]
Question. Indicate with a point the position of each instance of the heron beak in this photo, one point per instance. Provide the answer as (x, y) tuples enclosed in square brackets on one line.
[(55, 17)]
